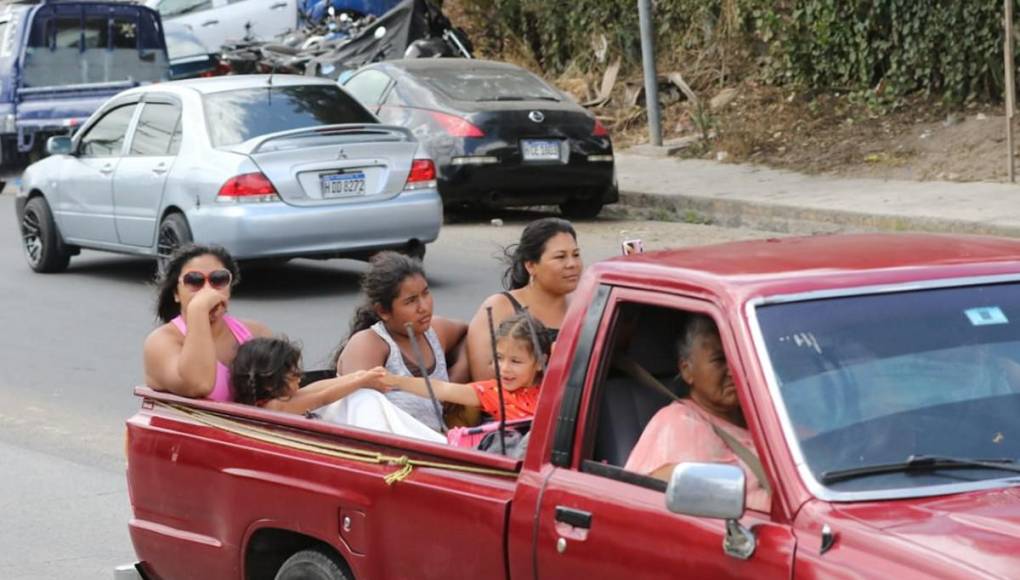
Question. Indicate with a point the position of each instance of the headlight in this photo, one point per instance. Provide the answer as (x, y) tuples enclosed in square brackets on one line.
[(8, 125)]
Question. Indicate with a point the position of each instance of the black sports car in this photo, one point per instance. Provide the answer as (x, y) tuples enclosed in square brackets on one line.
[(500, 136)]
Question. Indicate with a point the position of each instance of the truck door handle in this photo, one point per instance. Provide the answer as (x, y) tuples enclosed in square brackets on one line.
[(210, 22), (159, 169), (573, 517), (106, 169), (278, 5)]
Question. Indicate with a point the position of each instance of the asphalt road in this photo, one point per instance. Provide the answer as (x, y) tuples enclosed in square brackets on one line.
[(70, 352)]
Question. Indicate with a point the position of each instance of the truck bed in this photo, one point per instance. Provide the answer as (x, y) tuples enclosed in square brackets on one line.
[(243, 478)]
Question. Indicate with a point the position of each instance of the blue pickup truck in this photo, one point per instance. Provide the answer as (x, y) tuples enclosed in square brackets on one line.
[(61, 59)]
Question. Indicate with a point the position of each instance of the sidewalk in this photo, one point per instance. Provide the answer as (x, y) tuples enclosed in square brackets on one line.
[(771, 199)]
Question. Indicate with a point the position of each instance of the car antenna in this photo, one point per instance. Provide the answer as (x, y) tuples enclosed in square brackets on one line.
[(420, 361), (499, 383)]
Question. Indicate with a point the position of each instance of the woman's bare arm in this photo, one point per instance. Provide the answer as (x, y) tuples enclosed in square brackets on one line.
[(479, 341), (365, 350), (452, 334)]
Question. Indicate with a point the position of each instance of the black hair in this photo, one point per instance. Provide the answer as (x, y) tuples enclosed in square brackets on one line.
[(166, 281), (380, 286), (526, 328), (261, 369), (530, 248)]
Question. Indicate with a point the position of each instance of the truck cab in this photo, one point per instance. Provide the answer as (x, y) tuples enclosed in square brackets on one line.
[(59, 61)]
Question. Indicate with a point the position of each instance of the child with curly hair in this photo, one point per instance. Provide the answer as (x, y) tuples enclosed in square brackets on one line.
[(266, 372)]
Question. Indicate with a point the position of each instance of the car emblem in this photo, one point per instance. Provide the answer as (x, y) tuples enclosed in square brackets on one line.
[(536, 116), (341, 155)]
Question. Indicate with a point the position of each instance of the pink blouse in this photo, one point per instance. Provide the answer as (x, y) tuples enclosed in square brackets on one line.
[(221, 389), (682, 431)]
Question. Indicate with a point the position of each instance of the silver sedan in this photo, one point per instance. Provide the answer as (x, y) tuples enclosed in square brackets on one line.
[(267, 166)]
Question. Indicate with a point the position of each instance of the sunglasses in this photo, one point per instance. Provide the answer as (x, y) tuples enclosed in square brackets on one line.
[(218, 279)]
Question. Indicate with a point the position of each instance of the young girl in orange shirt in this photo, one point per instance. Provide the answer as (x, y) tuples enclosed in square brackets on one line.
[(522, 348)]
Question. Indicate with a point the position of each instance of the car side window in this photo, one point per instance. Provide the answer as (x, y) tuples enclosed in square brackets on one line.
[(169, 8), (155, 130), (106, 137), (175, 139), (368, 87)]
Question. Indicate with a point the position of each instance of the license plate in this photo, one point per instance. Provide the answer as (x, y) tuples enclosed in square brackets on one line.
[(342, 184), (540, 150)]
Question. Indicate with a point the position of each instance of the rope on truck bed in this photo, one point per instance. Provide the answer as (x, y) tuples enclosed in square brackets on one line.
[(406, 464)]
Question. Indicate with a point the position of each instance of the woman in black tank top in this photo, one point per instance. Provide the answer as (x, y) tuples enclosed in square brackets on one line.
[(543, 270)]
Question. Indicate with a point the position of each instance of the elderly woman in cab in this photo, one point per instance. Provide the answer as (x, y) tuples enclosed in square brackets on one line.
[(708, 426)]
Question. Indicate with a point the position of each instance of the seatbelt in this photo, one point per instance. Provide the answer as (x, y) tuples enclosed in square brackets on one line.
[(632, 368), (746, 455)]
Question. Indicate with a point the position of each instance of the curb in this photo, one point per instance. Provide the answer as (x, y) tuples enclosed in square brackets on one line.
[(792, 219)]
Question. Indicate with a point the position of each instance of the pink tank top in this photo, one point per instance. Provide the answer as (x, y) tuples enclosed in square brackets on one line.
[(221, 390)]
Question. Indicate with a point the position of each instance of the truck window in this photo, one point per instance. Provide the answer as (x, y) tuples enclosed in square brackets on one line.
[(70, 45), (643, 406), (106, 137), (155, 130)]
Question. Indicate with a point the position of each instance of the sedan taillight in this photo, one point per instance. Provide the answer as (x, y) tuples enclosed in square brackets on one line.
[(422, 175), (248, 187), (455, 126), (599, 130)]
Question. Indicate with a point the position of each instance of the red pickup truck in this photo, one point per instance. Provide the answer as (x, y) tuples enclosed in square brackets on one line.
[(879, 376)]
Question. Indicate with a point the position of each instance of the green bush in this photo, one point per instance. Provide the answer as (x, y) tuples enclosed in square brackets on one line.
[(883, 49)]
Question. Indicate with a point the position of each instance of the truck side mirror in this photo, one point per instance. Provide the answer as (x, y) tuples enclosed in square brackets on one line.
[(713, 490), (58, 145)]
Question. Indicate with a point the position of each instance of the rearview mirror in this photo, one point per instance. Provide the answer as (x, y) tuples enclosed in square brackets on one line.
[(58, 146), (707, 490)]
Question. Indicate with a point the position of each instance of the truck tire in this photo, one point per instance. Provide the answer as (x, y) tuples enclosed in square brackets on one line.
[(44, 248), (312, 564), (173, 233), (582, 208)]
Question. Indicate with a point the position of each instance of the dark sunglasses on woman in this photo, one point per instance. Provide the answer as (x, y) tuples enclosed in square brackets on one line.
[(218, 279)]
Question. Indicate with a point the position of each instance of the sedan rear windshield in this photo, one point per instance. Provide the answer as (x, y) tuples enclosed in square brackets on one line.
[(236, 116), (488, 85)]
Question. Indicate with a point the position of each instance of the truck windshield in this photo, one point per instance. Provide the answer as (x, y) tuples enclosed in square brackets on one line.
[(236, 116), (887, 379), (71, 44)]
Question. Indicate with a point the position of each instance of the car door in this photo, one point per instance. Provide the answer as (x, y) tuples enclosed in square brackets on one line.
[(263, 18), (198, 15), (142, 173), (596, 520), (85, 204)]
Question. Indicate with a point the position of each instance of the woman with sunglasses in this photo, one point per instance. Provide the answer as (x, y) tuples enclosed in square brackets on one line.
[(190, 354)]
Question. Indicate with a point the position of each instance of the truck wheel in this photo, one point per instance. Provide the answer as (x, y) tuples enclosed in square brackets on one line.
[(312, 564), (44, 249), (173, 233), (582, 208)]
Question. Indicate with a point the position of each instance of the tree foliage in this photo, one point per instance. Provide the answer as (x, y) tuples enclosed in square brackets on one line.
[(883, 48)]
